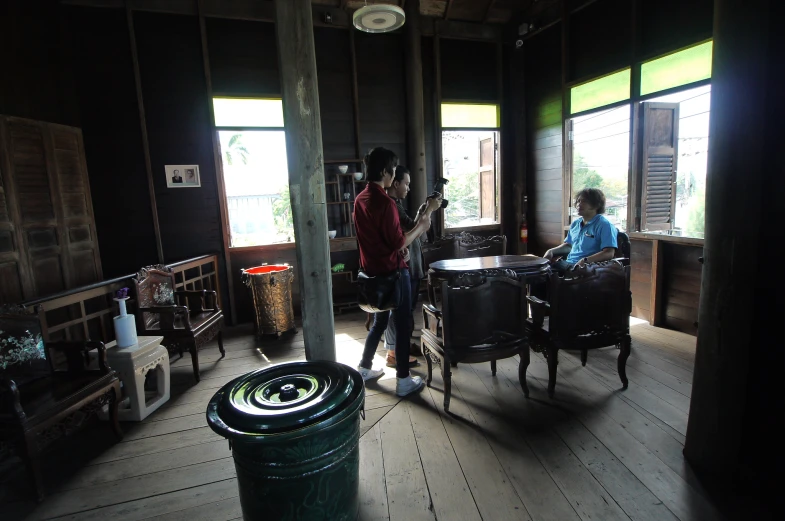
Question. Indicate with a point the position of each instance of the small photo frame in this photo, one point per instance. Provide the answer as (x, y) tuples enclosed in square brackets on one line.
[(182, 176)]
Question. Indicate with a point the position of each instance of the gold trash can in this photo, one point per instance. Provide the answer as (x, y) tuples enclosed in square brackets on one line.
[(270, 288)]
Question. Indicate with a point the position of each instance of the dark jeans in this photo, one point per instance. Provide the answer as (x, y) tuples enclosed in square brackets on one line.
[(403, 317), (540, 289), (389, 334)]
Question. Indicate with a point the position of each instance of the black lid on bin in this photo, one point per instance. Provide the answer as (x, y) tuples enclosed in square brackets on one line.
[(285, 397)]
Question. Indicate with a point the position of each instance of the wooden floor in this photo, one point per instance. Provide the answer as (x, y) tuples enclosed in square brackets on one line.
[(591, 453)]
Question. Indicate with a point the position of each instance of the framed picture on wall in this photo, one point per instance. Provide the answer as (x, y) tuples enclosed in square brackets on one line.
[(182, 176)]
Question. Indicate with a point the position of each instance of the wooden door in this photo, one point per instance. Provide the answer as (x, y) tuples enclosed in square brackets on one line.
[(488, 178), (49, 232)]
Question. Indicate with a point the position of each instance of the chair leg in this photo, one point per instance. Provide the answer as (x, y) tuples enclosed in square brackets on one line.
[(553, 362), (427, 354), (368, 317), (114, 416), (584, 357), (493, 367), (195, 361), (447, 379), (32, 459), (522, 367), (221, 343), (624, 353)]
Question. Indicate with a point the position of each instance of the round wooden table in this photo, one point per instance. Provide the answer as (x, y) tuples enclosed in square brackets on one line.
[(527, 268)]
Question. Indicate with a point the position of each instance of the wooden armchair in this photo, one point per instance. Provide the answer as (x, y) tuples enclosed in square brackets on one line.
[(589, 308), (472, 246), (481, 320), (184, 318), (39, 404)]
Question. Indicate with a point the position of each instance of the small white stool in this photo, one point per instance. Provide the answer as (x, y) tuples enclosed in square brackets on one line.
[(133, 363)]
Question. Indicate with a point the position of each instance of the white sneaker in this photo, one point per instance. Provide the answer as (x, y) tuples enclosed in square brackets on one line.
[(370, 374), (409, 385)]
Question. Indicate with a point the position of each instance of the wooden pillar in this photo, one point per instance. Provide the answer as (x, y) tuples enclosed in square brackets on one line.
[(415, 119), (297, 56), (735, 427)]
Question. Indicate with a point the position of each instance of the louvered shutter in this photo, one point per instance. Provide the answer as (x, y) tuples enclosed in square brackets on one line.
[(659, 164)]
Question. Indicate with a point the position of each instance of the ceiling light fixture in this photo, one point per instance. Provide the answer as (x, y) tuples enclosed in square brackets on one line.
[(378, 18)]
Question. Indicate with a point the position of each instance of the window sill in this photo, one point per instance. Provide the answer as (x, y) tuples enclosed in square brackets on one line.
[(649, 236), (477, 228), (338, 244)]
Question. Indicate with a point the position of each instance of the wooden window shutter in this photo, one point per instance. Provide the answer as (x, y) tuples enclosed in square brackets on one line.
[(660, 154)]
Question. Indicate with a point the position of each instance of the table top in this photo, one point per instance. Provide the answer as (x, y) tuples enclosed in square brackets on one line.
[(144, 345), (521, 263)]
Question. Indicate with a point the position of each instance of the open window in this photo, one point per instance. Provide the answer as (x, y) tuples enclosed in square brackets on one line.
[(256, 175), (470, 151)]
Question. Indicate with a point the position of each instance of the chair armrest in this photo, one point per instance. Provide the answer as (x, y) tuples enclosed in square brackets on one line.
[(75, 352), (169, 311), (12, 401), (431, 310), (211, 300), (540, 309), (194, 299)]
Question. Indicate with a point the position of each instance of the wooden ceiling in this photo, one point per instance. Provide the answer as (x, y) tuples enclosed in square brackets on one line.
[(478, 11)]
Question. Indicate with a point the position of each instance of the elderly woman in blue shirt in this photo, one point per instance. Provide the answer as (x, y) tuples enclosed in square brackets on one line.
[(592, 238)]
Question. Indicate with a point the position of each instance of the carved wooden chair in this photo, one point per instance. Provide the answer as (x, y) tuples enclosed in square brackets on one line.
[(589, 308), (472, 246), (481, 320), (184, 318), (39, 403)]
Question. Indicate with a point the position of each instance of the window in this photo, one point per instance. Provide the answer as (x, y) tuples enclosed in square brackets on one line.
[(471, 164), (691, 159), (256, 176), (670, 158), (677, 69), (600, 92), (600, 159)]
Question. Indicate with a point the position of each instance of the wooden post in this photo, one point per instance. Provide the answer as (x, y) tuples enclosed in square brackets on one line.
[(735, 427), (297, 56), (415, 122)]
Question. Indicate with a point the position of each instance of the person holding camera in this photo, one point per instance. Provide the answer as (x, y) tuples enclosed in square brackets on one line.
[(383, 249), (398, 192)]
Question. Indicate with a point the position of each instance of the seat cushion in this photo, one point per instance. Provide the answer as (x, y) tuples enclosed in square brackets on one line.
[(45, 397)]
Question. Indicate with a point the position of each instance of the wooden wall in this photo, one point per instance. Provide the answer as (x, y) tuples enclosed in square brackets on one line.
[(544, 133), (681, 286), (641, 278)]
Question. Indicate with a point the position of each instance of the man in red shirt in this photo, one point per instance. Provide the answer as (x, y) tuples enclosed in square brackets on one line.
[(383, 250)]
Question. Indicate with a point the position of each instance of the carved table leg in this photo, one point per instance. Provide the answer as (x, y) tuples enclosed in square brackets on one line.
[(195, 361), (447, 379), (493, 367), (427, 353), (584, 356)]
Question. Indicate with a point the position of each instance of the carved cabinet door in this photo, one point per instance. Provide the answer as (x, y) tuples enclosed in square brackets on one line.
[(47, 230)]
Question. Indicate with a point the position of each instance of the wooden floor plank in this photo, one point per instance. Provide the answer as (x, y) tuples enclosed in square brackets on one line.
[(634, 362), (114, 492), (493, 493), (407, 491), (661, 480), (157, 444), (372, 417), (92, 475), (450, 493), (373, 489), (586, 495), (223, 510), (540, 494), (150, 507)]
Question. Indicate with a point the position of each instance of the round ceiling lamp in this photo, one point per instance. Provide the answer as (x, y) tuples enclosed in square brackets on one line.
[(379, 18)]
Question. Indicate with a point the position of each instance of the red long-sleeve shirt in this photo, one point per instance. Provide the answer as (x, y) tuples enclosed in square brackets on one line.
[(379, 234)]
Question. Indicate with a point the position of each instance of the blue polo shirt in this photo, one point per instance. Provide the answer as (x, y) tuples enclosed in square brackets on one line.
[(590, 238)]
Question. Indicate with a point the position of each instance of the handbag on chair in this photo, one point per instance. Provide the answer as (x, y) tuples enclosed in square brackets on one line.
[(379, 293)]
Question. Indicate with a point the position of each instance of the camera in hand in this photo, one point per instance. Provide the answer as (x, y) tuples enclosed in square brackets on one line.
[(438, 190)]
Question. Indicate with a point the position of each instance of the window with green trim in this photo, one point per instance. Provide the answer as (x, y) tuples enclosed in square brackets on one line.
[(677, 69), (600, 92), (470, 115)]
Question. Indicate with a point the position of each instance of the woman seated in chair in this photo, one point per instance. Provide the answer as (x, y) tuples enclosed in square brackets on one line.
[(592, 238)]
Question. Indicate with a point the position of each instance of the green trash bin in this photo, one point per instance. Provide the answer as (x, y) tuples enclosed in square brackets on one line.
[(294, 432)]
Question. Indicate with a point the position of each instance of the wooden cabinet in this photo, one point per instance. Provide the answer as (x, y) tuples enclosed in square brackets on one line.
[(48, 241)]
